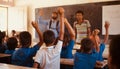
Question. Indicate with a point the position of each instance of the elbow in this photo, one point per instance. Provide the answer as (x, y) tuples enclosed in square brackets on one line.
[(73, 34)]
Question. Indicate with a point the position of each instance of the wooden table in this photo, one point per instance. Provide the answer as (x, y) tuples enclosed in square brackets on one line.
[(8, 66), (4, 55), (71, 62), (67, 61), (5, 58)]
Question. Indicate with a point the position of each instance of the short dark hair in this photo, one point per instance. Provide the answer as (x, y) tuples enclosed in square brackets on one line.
[(114, 51), (25, 39), (54, 12), (13, 31), (79, 11), (66, 38), (2, 36), (86, 45), (12, 43), (48, 37)]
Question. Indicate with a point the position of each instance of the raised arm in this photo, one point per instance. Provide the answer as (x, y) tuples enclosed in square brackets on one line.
[(75, 30), (70, 29), (88, 31), (35, 25), (106, 32), (61, 13), (96, 43), (95, 38)]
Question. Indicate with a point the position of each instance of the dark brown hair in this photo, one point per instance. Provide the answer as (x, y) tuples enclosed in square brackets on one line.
[(2, 36), (114, 51), (66, 39), (25, 39), (48, 37), (12, 43), (86, 45), (79, 11)]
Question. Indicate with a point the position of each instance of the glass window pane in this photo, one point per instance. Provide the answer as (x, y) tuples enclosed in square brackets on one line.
[(3, 19)]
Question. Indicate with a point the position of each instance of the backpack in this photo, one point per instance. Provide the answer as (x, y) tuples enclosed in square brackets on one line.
[(56, 25)]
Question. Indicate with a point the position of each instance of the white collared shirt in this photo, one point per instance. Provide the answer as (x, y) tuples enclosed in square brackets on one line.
[(49, 57)]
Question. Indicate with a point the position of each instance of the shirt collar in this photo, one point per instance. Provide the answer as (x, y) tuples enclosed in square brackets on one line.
[(50, 47)]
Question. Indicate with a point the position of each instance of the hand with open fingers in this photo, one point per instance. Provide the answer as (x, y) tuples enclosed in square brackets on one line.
[(61, 10), (107, 24), (34, 24), (96, 31)]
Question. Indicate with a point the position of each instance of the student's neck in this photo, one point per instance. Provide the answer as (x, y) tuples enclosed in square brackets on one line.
[(79, 21), (86, 52), (49, 45)]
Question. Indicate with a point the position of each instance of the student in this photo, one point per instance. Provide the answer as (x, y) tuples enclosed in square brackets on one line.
[(114, 53), (81, 26), (11, 45), (49, 57), (24, 55), (13, 33), (68, 42), (85, 58), (100, 46), (2, 44)]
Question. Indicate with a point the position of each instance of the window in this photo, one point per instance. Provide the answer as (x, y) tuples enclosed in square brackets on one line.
[(3, 18)]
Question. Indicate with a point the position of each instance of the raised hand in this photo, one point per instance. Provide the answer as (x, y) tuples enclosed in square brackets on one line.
[(107, 24), (34, 24), (96, 32), (61, 10), (107, 32)]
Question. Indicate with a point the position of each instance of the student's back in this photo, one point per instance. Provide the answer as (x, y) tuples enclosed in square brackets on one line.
[(67, 50), (84, 61), (69, 41), (24, 55), (49, 57), (85, 58)]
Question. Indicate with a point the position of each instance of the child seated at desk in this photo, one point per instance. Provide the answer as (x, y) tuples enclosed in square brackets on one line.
[(2, 43), (11, 45), (24, 55), (85, 58), (100, 46), (68, 42), (49, 57)]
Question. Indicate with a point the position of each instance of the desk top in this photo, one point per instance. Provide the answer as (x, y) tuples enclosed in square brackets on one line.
[(105, 52), (8, 66), (67, 61), (71, 62), (4, 55)]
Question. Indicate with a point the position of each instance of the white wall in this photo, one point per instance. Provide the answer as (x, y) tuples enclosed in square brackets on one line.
[(48, 3), (32, 4)]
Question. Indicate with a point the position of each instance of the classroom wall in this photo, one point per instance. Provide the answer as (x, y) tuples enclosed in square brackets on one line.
[(32, 4)]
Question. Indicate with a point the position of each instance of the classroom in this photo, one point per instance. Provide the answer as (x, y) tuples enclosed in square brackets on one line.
[(55, 34)]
